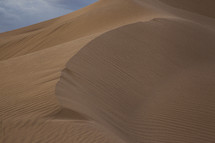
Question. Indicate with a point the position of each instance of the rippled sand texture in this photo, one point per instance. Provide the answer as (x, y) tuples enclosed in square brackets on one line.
[(117, 71)]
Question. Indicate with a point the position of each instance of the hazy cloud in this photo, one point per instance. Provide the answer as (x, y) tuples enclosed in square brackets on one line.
[(19, 13)]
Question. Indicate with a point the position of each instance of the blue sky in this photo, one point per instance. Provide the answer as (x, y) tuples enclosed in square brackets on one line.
[(20, 13)]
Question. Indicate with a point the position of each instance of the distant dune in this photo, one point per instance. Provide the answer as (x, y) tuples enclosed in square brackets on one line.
[(117, 71), (205, 7)]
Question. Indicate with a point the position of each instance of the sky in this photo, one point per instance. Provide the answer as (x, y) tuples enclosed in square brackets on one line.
[(20, 13)]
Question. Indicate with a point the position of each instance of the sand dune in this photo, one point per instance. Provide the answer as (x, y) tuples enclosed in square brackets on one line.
[(117, 71), (99, 17), (144, 81), (205, 7)]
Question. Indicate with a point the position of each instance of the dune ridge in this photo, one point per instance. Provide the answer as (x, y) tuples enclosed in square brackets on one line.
[(99, 17), (116, 71)]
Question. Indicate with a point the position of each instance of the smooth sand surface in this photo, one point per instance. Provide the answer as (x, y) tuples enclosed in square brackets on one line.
[(205, 7), (117, 71)]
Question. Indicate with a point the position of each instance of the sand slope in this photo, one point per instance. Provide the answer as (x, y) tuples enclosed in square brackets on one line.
[(148, 86), (205, 7), (99, 17), (136, 71)]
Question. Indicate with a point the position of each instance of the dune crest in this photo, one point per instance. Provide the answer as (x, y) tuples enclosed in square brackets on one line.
[(116, 71), (96, 18)]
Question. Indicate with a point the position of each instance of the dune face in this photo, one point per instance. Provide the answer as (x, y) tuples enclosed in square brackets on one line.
[(146, 85), (117, 71)]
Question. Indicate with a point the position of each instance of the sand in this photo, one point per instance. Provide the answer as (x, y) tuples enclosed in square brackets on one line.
[(117, 71)]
